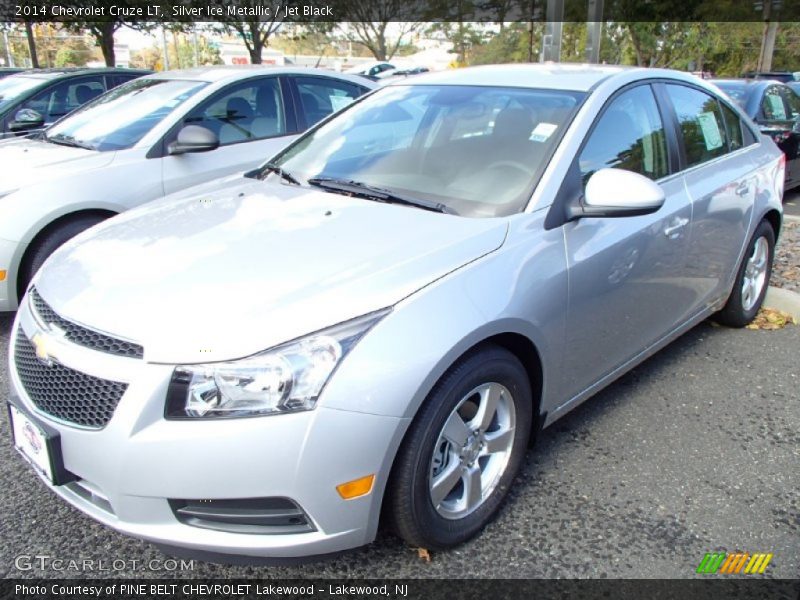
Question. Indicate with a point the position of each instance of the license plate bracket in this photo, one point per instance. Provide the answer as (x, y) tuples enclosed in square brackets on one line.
[(39, 444)]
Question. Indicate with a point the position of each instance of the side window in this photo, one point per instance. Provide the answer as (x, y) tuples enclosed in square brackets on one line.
[(792, 102), (700, 122), (772, 105), (61, 99), (734, 127), (321, 96), (252, 110), (628, 135), (118, 79)]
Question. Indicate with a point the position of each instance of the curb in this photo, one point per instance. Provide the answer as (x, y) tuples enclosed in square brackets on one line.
[(783, 300), (791, 218)]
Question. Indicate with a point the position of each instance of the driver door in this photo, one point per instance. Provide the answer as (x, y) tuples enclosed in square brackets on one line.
[(626, 283)]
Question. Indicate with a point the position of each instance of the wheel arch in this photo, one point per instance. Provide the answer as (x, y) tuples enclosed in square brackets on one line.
[(773, 217), (46, 230), (511, 339)]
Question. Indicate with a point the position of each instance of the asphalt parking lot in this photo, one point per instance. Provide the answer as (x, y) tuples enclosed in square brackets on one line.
[(694, 451), (791, 203)]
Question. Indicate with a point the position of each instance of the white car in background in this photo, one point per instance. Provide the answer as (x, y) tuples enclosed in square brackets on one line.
[(143, 140)]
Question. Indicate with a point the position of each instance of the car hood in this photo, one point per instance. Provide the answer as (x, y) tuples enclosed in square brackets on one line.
[(26, 161), (225, 275)]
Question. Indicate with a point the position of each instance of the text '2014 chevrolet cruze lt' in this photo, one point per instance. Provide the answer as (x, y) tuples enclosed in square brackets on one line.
[(380, 318)]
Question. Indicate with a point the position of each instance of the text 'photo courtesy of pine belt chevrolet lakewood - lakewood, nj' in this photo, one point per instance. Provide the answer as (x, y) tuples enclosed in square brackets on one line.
[(371, 324)]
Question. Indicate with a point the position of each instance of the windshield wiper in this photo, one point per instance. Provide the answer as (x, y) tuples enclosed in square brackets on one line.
[(379, 194), (273, 168), (68, 140)]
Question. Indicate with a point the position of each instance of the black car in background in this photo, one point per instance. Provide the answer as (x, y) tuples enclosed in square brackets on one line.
[(34, 99), (775, 108), (782, 76)]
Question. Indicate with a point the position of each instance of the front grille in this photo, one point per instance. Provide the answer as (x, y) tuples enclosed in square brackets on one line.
[(64, 393), (82, 336)]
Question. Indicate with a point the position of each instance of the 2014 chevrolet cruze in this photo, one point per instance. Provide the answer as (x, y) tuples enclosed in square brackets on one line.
[(381, 317)]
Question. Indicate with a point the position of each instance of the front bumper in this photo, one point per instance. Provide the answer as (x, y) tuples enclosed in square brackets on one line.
[(131, 468), (9, 257)]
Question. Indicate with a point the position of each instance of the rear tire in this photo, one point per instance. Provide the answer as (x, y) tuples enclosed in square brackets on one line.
[(752, 279), (462, 451), (48, 243)]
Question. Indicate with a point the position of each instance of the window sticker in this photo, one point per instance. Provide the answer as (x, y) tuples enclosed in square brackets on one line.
[(338, 102), (710, 129), (543, 131), (776, 106)]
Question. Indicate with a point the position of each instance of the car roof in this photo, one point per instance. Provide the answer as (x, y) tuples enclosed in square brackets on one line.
[(234, 72), (574, 77), (47, 74)]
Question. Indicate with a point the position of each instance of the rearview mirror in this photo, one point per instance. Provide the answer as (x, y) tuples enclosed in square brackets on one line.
[(193, 138), (25, 119), (618, 193)]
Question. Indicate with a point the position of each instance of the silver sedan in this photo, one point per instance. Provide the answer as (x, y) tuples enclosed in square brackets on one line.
[(380, 319)]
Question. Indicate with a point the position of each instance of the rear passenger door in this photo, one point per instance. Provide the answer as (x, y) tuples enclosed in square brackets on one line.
[(318, 97), (720, 178), (252, 122)]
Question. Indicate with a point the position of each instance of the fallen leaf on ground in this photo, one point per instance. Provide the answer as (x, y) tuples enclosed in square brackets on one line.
[(423, 554), (770, 318)]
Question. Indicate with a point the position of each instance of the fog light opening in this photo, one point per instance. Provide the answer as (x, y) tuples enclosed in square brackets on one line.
[(356, 488)]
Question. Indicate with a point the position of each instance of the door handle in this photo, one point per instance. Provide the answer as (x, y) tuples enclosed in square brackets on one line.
[(673, 230), (743, 189)]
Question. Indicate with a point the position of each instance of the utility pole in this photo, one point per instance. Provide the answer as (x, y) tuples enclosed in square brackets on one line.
[(551, 42), (8, 49), (165, 62), (594, 28), (768, 38), (196, 50)]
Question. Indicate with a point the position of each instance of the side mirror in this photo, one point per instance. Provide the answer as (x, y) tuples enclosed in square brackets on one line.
[(25, 119), (193, 138), (617, 193)]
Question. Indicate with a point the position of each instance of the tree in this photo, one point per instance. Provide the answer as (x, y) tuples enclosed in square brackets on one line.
[(73, 53), (103, 34), (255, 29), (31, 44), (510, 45), (369, 21)]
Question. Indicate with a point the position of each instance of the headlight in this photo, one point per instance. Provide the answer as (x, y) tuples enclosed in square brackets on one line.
[(287, 378)]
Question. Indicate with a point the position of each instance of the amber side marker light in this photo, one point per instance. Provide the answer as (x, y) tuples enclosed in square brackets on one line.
[(356, 488), (2, 275)]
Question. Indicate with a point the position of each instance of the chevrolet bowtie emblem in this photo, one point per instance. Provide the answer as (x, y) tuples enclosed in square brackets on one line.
[(44, 348)]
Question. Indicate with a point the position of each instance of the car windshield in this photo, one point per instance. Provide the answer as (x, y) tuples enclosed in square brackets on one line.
[(478, 151), (12, 87), (738, 92), (123, 116)]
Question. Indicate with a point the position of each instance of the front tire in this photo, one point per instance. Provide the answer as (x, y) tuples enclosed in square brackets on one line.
[(462, 451), (752, 279)]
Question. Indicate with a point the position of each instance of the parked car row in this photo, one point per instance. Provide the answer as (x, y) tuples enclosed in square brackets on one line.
[(775, 107), (375, 321)]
